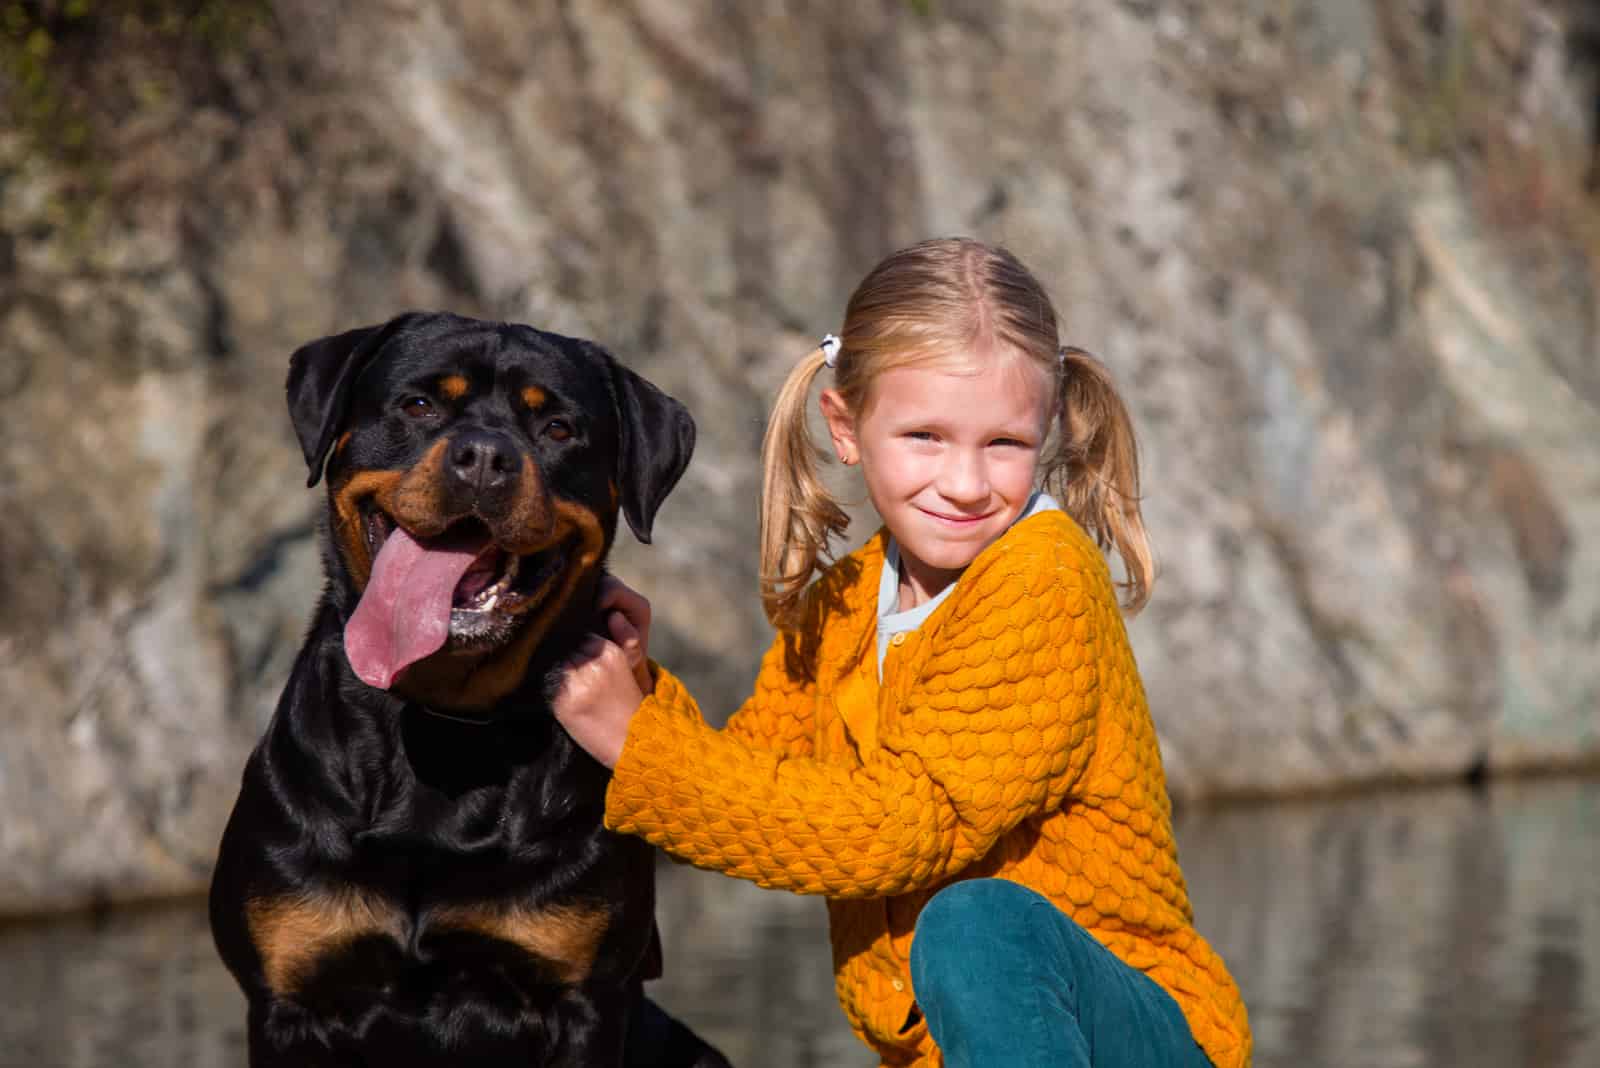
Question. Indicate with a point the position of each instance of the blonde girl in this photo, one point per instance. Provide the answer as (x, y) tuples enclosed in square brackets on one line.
[(948, 738)]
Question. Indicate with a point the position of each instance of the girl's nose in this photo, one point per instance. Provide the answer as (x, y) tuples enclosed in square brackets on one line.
[(964, 478)]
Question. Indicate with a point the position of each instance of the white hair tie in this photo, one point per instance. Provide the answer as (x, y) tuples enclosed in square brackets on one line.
[(830, 350)]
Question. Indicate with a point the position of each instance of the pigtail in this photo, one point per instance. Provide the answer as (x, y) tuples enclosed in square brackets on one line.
[(1094, 471), (798, 515)]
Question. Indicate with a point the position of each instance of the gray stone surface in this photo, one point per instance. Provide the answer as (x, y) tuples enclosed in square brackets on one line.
[(1341, 256)]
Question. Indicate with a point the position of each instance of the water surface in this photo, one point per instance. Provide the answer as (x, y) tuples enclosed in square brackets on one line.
[(1443, 927)]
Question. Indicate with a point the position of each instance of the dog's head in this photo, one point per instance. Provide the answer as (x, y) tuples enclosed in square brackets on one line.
[(475, 471)]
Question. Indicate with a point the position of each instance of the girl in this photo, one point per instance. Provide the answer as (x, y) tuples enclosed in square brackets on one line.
[(948, 737)]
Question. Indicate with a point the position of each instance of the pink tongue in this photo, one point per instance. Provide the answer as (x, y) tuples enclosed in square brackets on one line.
[(404, 615)]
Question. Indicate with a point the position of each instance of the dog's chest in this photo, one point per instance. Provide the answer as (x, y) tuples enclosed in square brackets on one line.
[(436, 849), (467, 858), (444, 889), (330, 946)]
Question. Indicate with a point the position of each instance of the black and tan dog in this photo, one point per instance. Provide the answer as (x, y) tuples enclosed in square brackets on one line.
[(415, 872)]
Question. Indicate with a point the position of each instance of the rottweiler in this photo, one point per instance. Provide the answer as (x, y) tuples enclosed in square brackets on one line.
[(415, 871)]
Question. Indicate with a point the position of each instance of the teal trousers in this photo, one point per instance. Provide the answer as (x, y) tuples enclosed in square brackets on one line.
[(1007, 980)]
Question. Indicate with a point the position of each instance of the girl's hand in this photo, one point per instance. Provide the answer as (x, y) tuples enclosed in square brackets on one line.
[(627, 616), (602, 686)]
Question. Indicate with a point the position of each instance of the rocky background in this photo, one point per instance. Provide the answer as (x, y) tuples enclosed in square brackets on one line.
[(1343, 256)]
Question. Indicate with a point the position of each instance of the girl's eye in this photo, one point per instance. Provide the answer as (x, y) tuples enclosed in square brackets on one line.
[(558, 430), (417, 407), (920, 435)]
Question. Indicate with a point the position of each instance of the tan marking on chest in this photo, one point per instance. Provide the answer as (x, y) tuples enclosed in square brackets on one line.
[(567, 936), (292, 933)]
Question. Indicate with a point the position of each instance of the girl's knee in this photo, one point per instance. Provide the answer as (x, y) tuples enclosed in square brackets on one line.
[(995, 905), (974, 920)]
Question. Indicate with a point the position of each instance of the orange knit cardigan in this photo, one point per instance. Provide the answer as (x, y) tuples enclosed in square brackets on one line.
[(1009, 737)]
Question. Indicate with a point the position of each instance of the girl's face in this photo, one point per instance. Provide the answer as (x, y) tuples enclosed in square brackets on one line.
[(949, 454)]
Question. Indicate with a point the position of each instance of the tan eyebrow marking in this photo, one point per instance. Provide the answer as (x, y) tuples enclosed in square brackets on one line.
[(534, 397), (453, 386)]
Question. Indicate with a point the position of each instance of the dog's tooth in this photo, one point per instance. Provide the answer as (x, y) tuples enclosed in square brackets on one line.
[(510, 575)]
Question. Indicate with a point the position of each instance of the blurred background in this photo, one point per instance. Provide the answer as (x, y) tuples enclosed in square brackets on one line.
[(1342, 255)]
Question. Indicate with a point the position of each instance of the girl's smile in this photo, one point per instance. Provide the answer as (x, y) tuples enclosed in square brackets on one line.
[(958, 519)]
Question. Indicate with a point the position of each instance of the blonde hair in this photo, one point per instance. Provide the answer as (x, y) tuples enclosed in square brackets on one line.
[(938, 300)]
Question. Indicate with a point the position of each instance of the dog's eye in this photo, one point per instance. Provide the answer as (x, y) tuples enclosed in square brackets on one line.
[(558, 430), (417, 407)]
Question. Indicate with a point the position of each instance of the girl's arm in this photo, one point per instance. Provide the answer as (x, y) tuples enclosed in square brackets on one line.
[(780, 714), (998, 727), (602, 686)]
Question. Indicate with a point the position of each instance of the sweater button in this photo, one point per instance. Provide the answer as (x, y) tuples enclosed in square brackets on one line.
[(899, 984), (898, 639)]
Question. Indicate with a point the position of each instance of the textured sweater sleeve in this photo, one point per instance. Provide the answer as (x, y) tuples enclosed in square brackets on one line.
[(997, 726), (780, 714)]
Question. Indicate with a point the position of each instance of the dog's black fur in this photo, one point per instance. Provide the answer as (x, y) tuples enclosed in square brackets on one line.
[(418, 875)]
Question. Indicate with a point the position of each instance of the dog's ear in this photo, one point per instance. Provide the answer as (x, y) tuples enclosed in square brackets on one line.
[(320, 376), (657, 440)]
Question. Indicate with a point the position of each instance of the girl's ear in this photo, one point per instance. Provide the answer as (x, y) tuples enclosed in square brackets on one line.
[(841, 425)]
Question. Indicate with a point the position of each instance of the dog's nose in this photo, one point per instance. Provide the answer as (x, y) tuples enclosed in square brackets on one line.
[(483, 460)]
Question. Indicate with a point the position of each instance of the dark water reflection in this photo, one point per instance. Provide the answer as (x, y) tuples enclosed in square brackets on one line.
[(1439, 928), (1420, 928)]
